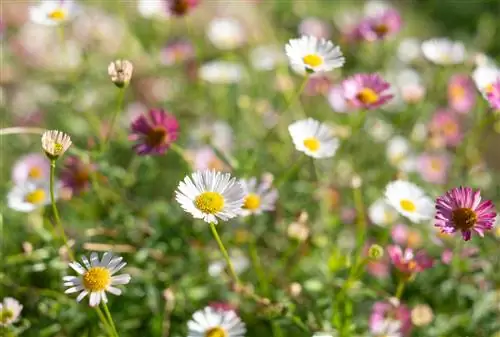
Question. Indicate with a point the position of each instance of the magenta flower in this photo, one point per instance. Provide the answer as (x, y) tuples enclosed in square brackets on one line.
[(366, 91), (446, 127), (433, 168), (75, 174), (461, 209), (154, 132), (380, 26), (391, 310), (177, 51), (408, 262), (32, 167), (493, 95), (461, 93), (181, 7)]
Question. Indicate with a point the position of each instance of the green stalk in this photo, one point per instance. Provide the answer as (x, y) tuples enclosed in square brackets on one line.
[(105, 322), (119, 108), (261, 275), (224, 253), (110, 318), (401, 288)]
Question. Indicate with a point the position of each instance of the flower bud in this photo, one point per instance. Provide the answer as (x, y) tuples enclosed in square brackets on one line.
[(375, 252), (120, 72)]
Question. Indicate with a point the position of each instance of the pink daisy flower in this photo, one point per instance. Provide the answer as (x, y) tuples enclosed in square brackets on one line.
[(391, 310), (433, 168), (408, 262), (461, 93), (337, 100), (154, 132), (366, 91), (32, 167), (75, 174), (462, 209), (445, 125), (493, 95), (380, 26)]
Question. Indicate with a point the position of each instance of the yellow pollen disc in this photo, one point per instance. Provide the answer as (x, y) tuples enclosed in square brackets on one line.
[(412, 265), (407, 205), (58, 148), (96, 279), (57, 15), (450, 128), (6, 315), (35, 197), (488, 88), (252, 202), (209, 202), (464, 218), (216, 332), (457, 91), (436, 165), (35, 172), (313, 60), (312, 144), (367, 96)]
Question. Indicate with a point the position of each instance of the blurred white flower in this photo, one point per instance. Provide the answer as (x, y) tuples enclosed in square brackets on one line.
[(221, 72), (378, 129), (484, 77), (444, 51), (10, 310), (313, 26), (52, 12), (259, 197), (239, 261), (397, 150), (409, 50), (152, 8), (381, 213), (29, 196), (266, 57), (226, 33), (375, 7), (409, 200)]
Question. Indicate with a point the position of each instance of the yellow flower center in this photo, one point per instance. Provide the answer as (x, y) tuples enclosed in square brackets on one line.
[(209, 202), (57, 15), (367, 96), (313, 60), (96, 279), (6, 315), (464, 218), (58, 148), (312, 144), (35, 172), (436, 165), (412, 265), (450, 128), (252, 202), (156, 136), (35, 197), (488, 88), (216, 332), (407, 205), (457, 91)]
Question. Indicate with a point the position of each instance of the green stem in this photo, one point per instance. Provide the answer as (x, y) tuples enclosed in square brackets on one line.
[(110, 318), (276, 329), (401, 288), (104, 321), (254, 257), (54, 208), (297, 94), (119, 108), (224, 253)]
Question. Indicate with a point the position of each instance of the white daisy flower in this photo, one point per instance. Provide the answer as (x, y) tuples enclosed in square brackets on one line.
[(265, 58), (381, 213), (314, 55), (52, 12), (29, 196), (210, 322), (444, 51), (259, 198), (10, 310), (409, 50), (313, 138), (409, 200), (226, 33), (152, 8), (398, 150), (55, 143), (96, 278), (221, 72), (484, 77), (238, 259), (209, 195)]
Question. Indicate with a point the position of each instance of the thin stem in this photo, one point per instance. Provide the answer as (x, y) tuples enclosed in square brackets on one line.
[(54, 209), (254, 257), (119, 108), (294, 97), (224, 252), (110, 318), (104, 321), (20, 130), (401, 288)]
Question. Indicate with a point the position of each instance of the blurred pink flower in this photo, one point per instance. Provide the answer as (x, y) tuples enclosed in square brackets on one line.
[(434, 168), (314, 27), (384, 24), (399, 234), (408, 262), (391, 310), (75, 174), (205, 158), (493, 95), (366, 91), (445, 126), (32, 167), (337, 100), (154, 132), (461, 93), (177, 51), (317, 85), (467, 252), (222, 306)]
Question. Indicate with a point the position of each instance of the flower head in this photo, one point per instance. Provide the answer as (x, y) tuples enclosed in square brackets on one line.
[(76, 174), (10, 310), (461, 93), (266, 57), (433, 167), (443, 51), (409, 200), (484, 77), (408, 262), (209, 195), (226, 33), (33, 167), (386, 313), (52, 12), (210, 322), (311, 54), (120, 72), (259, 198), (313, 26), (221, 72), (177, 51), (381, 213), (28, 196), (386, 328), (181, 7), (313, 138), (366, 91), (154, 132), (462, 209), (55, 143), (383, 24), (205, 158), (446, 127), (493, 95), (96, 278)]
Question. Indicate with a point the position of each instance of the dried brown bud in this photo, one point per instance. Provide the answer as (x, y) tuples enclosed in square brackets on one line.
[(120, 72)]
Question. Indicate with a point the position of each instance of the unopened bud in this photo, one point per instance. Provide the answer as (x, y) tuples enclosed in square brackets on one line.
[(120, 72), (295, 289), (422, 315), (375, 252)]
